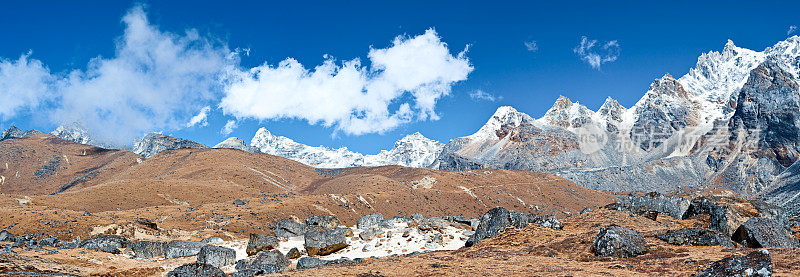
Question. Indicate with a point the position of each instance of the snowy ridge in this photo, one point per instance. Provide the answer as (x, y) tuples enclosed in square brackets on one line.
[(414, 150), (235, 143)]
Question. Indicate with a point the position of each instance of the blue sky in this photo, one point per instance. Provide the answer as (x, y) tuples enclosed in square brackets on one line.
[(653, 39)]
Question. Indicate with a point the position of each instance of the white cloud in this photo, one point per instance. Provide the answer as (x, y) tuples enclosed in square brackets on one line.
[(200, 118), (155, 81), (229, 127), (609, 52), (531, 46), (791, 30), (482, 95), (23, 84), (403, 84)]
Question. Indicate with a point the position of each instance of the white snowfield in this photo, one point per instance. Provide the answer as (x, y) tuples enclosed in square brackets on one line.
[(391, 242)]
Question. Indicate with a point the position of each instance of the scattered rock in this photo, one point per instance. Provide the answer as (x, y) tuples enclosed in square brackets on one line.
[(697, 237), (326, 221), (757, 263), (293, 253), (321, 241), (7, 236), (258, 243), (196, 270), (148, 249), (178, 248), (616, 241), (369, 221), (758, 232), (287, 228), (497, 219), (238, 202), (216, 256), (264, 263), (728, 213)]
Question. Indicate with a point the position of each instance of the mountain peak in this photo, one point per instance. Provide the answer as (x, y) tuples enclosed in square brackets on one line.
[(153, 143), (235, 143)]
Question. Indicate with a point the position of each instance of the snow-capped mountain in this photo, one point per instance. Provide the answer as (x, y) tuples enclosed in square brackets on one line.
[(679, 132), (413, 150), (235, 143), (153, 143), (14, 132)]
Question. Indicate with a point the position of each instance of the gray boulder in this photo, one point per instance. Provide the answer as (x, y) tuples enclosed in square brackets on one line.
[(258, 243), (369, 221), (616, 241), (673, 206), (728, 213), (326, 221), (497, 219), (309, 262), (321, 241), (196, 270), (216, 256), (758, 232), (287, 228), (106, 243), (293, 253), (175, 249), (148, 249), (370, 233), (264, 263), (757, 263), (6, 236), (697, 237)]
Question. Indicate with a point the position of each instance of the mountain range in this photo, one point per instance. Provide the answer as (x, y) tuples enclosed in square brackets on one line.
[(732, 122)]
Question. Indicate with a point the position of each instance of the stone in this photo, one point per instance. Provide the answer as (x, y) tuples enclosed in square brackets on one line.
[(216, 255), (258, 243), (48, 241), (757, 263), (238, 202), (287, 229), (309, 262), (212, 240), (728, 213), (106, 243), (673, 206), (177, 248), (265, 262), (497, 219), (293, 253), (321, 241), (326, 221), (370, 233), (697, 237), (369, 221), (758, 232), (196, 270), (417, 217), (620, 242), (148, 249), (7, 236)]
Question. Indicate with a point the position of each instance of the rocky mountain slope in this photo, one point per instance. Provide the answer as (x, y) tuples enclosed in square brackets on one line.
[(729, 123)]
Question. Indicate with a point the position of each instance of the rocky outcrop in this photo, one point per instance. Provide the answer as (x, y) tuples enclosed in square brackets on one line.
[(697, 237), (673, 206), (497, 219), (757, 263), (728, 213), (620, 242), (758, 232), (287, 228), (216, 256), (148, 249), (265, 262), (153, 143), (325, 221), (369, 221), (175, 249), (14, 132), (322, 241), (106, 243), (258, 243), (196, 270)]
